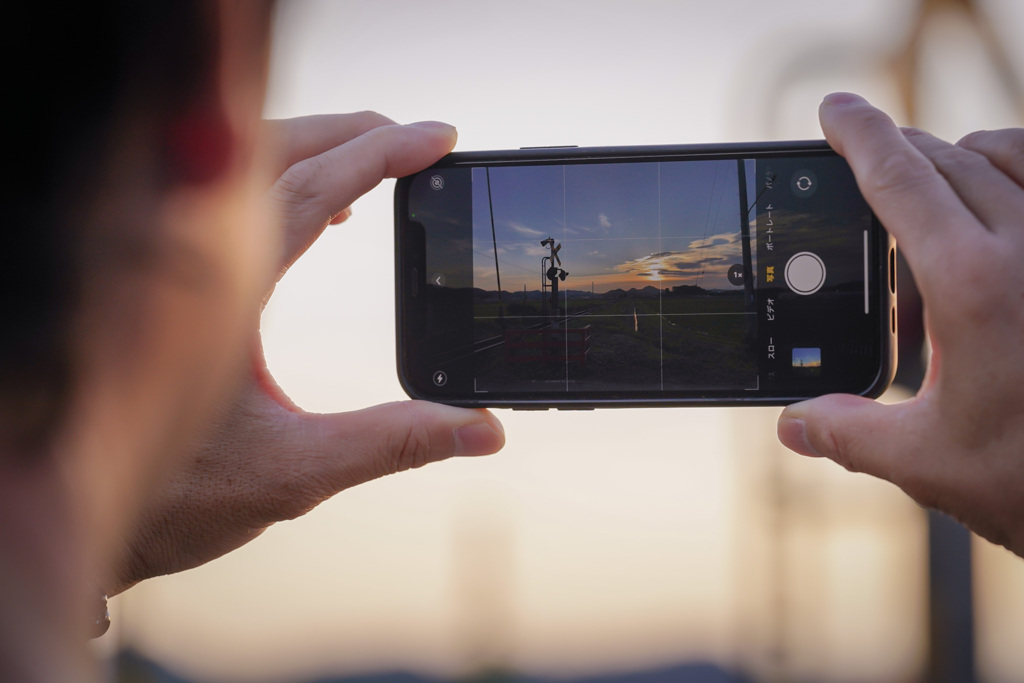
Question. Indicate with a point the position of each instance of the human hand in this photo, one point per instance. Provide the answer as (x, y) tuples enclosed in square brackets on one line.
[(267, 460), (957, 213)]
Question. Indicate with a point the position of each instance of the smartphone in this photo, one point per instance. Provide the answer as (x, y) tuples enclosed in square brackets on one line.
[(576, 278)]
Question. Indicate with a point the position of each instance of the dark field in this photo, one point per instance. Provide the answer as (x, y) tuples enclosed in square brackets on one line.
[(615, 344)]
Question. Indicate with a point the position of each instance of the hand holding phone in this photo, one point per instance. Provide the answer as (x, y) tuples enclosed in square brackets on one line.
[(267, 460), (681, 275), (958, 213)]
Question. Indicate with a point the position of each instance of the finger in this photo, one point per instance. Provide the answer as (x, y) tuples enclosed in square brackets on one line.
[(360, 446), (1004, 148), (860, 434), (985, 190), (313, 192), (345, 214), (909, 196), (307, 136)]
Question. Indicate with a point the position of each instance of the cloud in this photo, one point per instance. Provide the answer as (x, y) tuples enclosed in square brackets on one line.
[(523, 230), (603, 221), (709, 257), (513, 250), (716, 240)]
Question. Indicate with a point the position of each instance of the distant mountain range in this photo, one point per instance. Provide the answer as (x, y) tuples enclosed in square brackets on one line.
[(648, 292)]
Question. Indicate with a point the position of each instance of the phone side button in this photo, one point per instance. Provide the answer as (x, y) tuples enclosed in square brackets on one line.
[(551, 147), (892, 269), (573, 408), (514, 408)]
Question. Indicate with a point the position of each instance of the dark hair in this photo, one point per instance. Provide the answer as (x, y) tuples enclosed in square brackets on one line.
[(73, 66)]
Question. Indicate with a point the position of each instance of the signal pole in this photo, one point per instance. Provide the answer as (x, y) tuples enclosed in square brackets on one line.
[(552, 273)]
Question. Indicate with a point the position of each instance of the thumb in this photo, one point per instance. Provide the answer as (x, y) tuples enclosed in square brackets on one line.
[(860, 434), (374, 442)]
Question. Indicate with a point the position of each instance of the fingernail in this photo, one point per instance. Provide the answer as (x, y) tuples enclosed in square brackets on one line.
[(842, 98), (434, 125), (479, 438), (793, 435)]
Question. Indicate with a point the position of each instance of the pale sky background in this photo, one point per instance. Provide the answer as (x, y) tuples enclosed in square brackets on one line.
[(598, 541)]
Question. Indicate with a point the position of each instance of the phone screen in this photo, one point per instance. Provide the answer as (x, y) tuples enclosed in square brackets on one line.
[(640, 280)]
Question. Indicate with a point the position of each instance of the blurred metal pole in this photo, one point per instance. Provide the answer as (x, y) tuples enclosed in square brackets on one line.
[(905, 64), (951, 658)]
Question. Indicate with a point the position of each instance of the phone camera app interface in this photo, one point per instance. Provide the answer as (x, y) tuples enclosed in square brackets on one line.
[(614, 277), (815, 253)]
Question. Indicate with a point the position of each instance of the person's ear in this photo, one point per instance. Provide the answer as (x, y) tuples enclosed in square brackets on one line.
[(198, 143)]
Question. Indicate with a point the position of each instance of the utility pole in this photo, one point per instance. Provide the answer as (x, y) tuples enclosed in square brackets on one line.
[(748, 273), (494, 242)]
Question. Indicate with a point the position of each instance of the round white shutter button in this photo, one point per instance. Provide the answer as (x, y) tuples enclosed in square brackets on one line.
[(805, 273)]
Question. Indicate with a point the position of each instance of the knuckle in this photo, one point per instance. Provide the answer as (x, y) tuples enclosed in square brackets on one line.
[(298, 182), (382, 143), (961, 161), (869, 120), (976, 141), (1010, 140), (1004, 148), (297, 192), (1014, 146), (372, 119), (899, 173), (411, 446), (841, 447)]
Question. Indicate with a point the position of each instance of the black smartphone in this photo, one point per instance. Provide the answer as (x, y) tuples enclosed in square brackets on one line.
[(574, 278)]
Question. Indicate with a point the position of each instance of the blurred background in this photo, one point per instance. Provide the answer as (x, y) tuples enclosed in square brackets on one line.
[(628, 545)]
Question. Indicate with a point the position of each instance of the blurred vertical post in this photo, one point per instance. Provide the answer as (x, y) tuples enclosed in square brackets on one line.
[(950, 602), (484, 564)]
